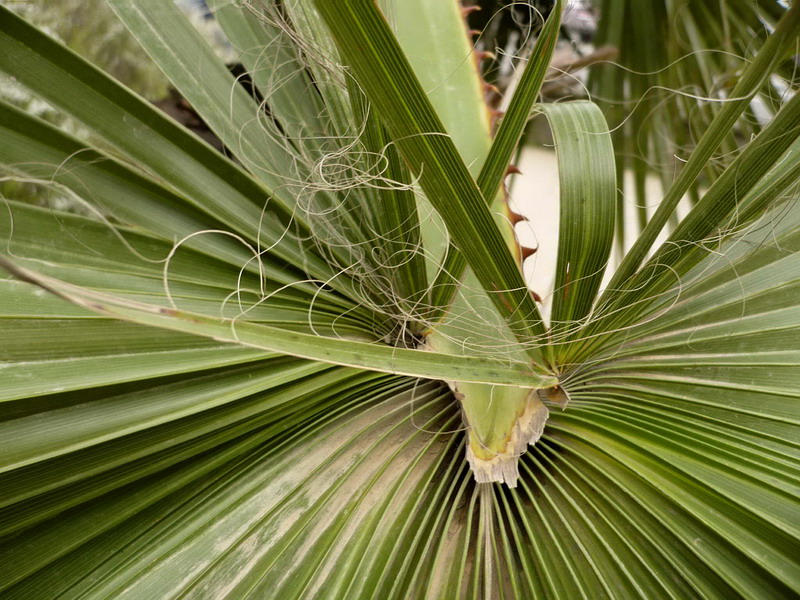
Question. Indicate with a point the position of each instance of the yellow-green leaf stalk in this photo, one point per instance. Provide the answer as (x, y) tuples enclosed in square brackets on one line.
[(501, 421)]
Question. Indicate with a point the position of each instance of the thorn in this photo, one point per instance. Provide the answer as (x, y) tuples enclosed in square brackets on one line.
[(495, 115), (474, 32), (489, 88), (513, 170), (468, 10), (536, 297), (526, 252), (484, 54), (515, 217)]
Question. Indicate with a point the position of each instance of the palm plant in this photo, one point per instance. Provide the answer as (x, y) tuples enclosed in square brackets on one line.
[(314, 369)]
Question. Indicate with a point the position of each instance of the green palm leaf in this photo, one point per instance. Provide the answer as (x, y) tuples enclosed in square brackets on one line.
[(675, 69), (260, 376)]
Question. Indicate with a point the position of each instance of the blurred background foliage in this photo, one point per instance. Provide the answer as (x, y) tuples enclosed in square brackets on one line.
[(90, 28)]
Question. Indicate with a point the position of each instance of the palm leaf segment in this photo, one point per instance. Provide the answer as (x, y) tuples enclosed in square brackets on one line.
[(251, 418)]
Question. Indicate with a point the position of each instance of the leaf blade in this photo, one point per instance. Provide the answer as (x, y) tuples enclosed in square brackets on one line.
[(370, 48)]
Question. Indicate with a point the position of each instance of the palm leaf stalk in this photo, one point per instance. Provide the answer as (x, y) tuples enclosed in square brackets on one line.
[(314, 369)]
